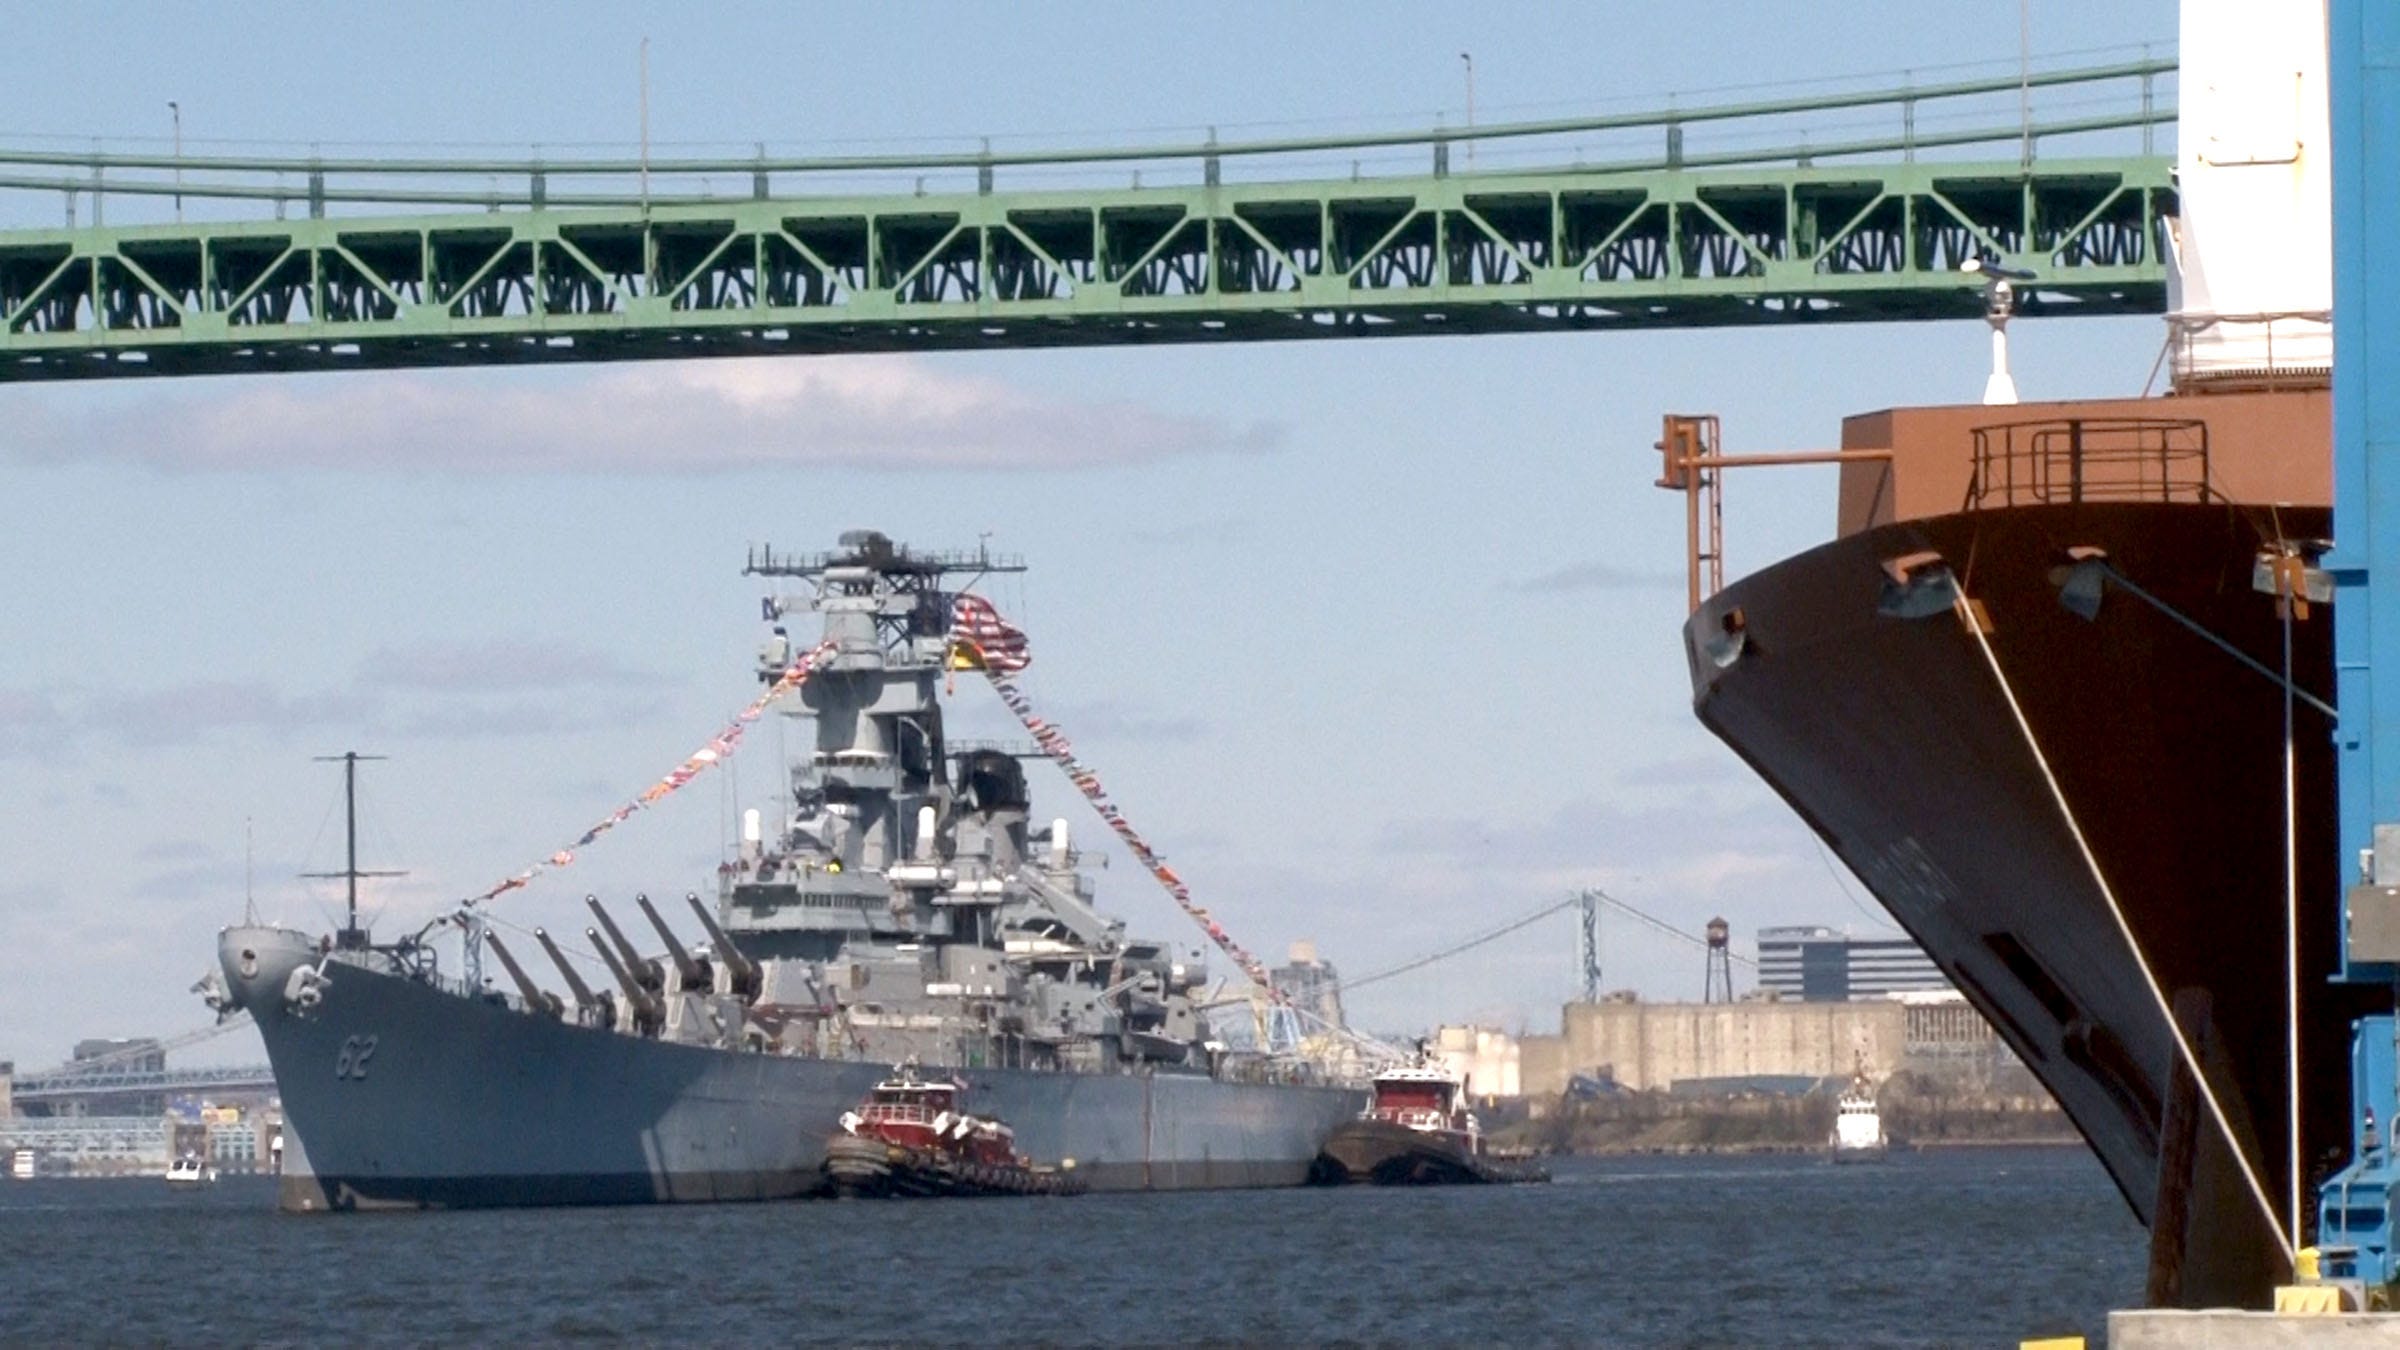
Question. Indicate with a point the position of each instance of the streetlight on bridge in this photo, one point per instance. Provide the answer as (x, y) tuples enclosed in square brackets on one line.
[(1469, 59), (175, 110)]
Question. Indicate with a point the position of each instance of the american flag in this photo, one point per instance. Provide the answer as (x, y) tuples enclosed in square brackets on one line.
[(995, 643)]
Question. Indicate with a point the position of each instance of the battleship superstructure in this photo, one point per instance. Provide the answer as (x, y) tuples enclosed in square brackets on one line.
[(903, 907)]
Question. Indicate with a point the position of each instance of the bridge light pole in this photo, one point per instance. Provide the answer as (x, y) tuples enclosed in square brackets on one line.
[(645, 114), (2024, 90), (1469, 59), (175, 110)]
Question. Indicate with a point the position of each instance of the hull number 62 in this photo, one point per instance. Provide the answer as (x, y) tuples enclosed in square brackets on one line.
[(352, 1062)]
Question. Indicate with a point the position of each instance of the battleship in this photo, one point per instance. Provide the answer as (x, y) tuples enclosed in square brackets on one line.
[(903, 907)]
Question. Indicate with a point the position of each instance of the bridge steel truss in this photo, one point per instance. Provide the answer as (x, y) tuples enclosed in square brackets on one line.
[(71, 1083), (428, 279), (1427, 255)]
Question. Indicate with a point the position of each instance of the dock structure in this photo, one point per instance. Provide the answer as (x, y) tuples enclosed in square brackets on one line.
[(2232, 1329), (2355, 1209)]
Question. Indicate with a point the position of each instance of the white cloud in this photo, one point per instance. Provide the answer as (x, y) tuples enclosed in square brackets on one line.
[(1645, 830), (711, 416), (498, 666), (30, 722), (520, 718), (181, 712), (175, 851), (1108, 719), (1706, 769), (35, 722), (1595, 576), (461, 692)]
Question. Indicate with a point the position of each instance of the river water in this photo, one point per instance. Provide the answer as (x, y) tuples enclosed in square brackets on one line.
[(1960, 1247)]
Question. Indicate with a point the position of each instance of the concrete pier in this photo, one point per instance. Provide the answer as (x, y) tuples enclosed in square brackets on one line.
[(2226, 1329)]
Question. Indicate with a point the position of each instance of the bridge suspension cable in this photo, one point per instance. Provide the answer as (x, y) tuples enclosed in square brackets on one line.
[(312, 169), (534, 193), (1659, 925), (1470, 944)]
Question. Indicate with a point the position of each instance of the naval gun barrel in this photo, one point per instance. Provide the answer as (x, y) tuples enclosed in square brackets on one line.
[(695, 975), (583, 992), (639, 966), (645, 1004), (537, 998), (743, 970)]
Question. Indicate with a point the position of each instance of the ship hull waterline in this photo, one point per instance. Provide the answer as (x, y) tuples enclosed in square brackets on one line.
[(1852, 680), (401, 1095)]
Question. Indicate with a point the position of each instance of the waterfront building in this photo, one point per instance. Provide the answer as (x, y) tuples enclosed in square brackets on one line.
[(1815, 964), (1489, 1062), (1312, 986)]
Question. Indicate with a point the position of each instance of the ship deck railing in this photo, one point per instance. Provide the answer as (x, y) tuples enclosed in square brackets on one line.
[(898, 1113), (2067, 460), (458, 987)]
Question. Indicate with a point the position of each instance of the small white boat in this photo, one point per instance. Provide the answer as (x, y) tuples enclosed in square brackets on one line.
[(20, 1164), (190, 1171), (1857, 1125)]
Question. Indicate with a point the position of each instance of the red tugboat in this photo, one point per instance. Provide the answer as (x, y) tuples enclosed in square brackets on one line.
[(1416, 1131), (911, 1138)]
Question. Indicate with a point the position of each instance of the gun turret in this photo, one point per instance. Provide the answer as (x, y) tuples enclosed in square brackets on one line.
[(694, 971), (537, 998), (583, 992), (742, 969), (643, 970), (646, 1009)]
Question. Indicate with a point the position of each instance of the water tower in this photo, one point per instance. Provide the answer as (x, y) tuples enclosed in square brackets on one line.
[(1717, 983)]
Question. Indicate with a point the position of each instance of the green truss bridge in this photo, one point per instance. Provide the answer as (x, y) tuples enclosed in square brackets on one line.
[(1715, 214)]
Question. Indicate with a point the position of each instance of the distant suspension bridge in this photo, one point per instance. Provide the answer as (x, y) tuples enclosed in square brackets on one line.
[(1590, 902), (124, 1074)]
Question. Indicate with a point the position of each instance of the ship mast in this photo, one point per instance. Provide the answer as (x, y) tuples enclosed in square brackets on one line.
[(351, 937)]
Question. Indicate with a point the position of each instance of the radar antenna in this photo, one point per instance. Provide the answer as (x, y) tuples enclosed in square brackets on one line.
[(352, 937)]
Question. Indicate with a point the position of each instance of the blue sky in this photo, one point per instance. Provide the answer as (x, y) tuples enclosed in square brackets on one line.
[(1377, 641)]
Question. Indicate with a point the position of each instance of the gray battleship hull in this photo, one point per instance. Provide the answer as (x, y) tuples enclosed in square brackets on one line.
[(399, 1094)]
